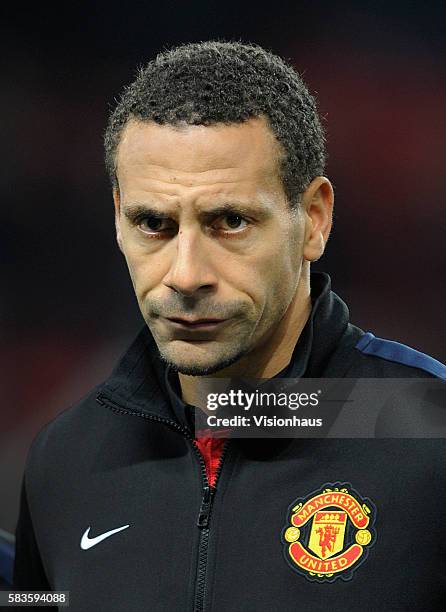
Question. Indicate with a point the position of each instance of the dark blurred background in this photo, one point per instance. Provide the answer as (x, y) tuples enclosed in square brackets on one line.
[(68, 310)]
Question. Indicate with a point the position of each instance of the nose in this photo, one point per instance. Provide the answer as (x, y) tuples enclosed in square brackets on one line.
[(190, 271)]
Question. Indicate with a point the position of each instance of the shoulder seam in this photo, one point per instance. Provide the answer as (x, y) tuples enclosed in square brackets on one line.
[(400, 353)]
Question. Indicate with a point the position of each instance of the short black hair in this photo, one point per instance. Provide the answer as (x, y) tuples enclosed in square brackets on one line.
[(226, 82)]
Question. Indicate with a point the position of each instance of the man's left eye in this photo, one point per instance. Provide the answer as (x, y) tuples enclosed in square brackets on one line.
[(232, 222)]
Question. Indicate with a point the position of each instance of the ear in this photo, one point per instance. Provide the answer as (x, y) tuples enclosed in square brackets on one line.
[(317, 204), (117, 201)]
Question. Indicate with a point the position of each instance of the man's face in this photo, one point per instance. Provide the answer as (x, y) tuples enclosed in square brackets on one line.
[(213, 249)]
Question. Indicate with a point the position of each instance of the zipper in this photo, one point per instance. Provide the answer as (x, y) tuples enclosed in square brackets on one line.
[(208, 492), (203, 519)]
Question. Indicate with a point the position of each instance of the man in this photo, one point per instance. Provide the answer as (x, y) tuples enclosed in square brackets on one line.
[(216, 156)]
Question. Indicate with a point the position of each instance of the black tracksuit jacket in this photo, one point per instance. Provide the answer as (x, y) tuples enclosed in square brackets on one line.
[(285, 522)]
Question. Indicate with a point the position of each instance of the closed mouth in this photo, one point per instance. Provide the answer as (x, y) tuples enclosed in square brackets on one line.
[(192, 323)]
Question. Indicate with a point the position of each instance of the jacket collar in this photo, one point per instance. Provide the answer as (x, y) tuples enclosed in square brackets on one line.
[(138, 381)]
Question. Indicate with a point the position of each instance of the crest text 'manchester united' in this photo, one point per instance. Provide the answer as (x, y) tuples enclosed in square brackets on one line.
[(330, 532)]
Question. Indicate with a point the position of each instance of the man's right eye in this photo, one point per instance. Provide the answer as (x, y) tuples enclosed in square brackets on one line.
[(154, 224)]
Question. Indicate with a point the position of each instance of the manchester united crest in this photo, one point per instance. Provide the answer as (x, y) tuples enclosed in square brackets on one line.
[(330, 532)]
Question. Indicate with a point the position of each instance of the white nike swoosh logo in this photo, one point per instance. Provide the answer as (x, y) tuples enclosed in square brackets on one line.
[(87, 542)]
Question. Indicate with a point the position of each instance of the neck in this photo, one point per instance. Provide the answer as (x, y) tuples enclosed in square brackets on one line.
[(267, 359)]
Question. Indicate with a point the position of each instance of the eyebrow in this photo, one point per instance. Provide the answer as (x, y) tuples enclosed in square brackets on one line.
[(136, 210)]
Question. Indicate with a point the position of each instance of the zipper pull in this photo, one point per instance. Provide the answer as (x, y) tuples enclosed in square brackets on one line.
[(205, 508)]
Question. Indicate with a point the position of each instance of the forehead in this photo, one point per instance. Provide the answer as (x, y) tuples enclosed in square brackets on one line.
[(196, 154)]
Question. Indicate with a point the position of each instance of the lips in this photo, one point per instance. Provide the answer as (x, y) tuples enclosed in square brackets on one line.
[(192, 322)]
